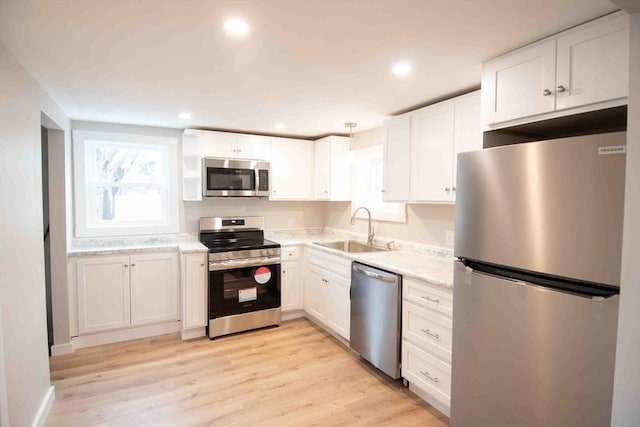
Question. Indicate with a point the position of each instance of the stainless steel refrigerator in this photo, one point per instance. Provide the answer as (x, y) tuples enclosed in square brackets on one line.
[(538, 239)]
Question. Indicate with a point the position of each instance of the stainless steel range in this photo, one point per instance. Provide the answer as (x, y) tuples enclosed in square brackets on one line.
[(244, 274)]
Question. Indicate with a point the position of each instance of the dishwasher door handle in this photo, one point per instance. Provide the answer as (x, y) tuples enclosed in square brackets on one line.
[(376, 276)]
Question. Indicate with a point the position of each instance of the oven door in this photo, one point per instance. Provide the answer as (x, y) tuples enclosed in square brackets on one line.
[(243, 290)]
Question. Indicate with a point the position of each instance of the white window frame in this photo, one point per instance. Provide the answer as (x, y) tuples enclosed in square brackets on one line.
[(83, 227), (380, 211)]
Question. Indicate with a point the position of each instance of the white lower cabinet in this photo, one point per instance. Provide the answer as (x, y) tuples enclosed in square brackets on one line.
[(426, 341), (291, 286), (194, 290), (116, 292), (326, 291)]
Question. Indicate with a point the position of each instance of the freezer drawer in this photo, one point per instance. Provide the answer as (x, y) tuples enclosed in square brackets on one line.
[(524, 355)]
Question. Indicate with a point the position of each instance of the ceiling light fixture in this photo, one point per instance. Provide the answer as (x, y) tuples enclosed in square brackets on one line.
[(236, 27), (280, 126), (402, 69), (350, 125), (185, 116)]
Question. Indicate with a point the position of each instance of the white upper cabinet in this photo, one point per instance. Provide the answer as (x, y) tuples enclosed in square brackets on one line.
[(431, 153), (332, 179), (421, 149), (233, 145), (582, 69), (291, 169), (521, 83), (253, 147), (396, 160), (593, 64)]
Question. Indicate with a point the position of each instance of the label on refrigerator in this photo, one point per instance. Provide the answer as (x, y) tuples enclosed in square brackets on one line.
[(247, 294), (612, 149)]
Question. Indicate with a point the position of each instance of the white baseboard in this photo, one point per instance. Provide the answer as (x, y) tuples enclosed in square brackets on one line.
[(294, 314), (189, 334), (60, 349), (100, 338), (45, 407)]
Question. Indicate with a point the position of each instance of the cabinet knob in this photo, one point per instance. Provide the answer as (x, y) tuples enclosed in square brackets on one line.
[(238, 150), (326, 192), (126, 265), (284, 271), (383, 190), (133, 265), (447, 189), (561, 89), (546, 92), (453, 188), (201, 265)]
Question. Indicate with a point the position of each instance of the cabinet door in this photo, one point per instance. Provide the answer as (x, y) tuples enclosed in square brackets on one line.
[(340, 306), (514, 85), (396, 159), (217, 144), (468, 130), (322, 160), (431, 153), (194, 291), (340, 169), (289, 291), (593, 63), (253, 147), (154, 288), (315, 294), (291, 169), (103, 293)]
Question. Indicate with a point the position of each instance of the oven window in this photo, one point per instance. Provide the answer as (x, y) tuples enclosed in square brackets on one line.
[(231, 179), (243, 290)]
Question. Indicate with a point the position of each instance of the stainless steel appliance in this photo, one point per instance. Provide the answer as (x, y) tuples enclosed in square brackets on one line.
[(536, 283), (234, 177), (244, 275), (375, 331)]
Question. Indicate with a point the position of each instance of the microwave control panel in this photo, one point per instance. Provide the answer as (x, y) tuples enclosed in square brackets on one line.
[(263, 180)]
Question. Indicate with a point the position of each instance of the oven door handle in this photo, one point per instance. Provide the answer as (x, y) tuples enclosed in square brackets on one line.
[(239, 263)]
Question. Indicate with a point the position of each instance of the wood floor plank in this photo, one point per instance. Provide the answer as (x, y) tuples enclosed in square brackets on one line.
[(293, 375)]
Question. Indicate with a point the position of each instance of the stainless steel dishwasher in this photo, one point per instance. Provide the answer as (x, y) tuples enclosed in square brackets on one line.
[(375, 317)]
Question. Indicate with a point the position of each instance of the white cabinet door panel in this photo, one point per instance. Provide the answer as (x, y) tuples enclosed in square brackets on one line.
[(340, 306), (468, 129), (103, 293), (291, 169), (316, 294), (217, 144), (593, 64), (431, 153), (513, 85), (253, 147), (322, 179), (194, 292), (154, 288)]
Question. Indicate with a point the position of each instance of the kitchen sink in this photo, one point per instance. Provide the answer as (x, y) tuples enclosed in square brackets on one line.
[(350, 246)]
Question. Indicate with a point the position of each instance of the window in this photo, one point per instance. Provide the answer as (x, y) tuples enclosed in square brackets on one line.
[(367, 187), (124, 184)]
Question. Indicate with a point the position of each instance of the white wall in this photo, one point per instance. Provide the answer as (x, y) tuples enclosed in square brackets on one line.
[(626, 393), (426, 224), (22, 285)]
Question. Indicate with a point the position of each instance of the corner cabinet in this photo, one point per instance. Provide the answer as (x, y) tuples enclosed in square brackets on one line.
[(332, 173), (421, 149), (115, 292), (291, 169), (582, 69)]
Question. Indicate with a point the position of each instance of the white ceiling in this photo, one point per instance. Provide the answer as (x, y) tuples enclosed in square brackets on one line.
[(311, 65)]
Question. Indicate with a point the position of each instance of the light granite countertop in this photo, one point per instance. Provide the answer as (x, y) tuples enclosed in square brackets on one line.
[(423, 262)]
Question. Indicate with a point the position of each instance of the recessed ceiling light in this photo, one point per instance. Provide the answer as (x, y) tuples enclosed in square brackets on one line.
[(236, 27), (280, 126), (402, 69), (185, 116)]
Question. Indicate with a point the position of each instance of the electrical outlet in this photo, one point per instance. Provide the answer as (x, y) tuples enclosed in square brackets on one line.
[(290, 222), (448, 238)]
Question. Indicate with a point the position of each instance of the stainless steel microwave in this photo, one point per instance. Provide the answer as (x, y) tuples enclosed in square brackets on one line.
[(234, 177)]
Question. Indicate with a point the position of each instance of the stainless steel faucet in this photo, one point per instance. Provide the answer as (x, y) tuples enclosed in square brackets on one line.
[(371, 234)]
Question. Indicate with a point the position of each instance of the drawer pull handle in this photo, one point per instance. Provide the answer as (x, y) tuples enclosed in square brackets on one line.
[(426, 374), (428, 298), (428, 332)]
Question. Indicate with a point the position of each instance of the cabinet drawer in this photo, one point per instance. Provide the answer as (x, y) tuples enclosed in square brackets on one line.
[(426, 372), (289, 253), (427, 329), (332, 263), (427, 295)]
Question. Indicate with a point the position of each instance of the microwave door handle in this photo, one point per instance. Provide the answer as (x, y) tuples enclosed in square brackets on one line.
[(256, 173)]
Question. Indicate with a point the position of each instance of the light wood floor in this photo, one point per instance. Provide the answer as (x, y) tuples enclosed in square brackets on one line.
[(295, 374)]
